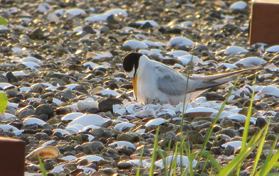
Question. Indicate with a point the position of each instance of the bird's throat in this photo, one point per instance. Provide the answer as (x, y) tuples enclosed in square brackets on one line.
[(134, 81)]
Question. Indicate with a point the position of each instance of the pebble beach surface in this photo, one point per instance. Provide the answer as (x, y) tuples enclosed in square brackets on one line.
[(72, 103)]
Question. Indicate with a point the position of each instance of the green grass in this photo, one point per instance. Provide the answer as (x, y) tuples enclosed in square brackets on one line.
[(43, 170), (3, 21), (233, 167), (3, 102)]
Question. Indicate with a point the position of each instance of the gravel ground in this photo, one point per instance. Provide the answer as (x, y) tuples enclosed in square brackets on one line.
[(69, 97)]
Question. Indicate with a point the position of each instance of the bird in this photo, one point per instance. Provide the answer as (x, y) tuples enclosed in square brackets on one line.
[(154, 82)]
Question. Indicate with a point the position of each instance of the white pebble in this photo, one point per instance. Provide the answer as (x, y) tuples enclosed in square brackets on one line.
[(135, 44), (180, 41)]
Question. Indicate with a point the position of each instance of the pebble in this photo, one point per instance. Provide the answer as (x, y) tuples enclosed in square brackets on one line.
[(44, 109), (92, 147)]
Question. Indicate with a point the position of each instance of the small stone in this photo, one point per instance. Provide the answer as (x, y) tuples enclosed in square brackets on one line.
[(12, 92), (124, 165), (126, 150), (14, 100), (57, 135), (67, 95), (49, 164), (272, 137), (26, 113), (92, 147), (44, 109), (195, 137), (92, 110), (83, 162), (30, 127), (11, 78), (226, 123), (261, 122), (146, 25), (88, 29), (276, 128), (244, 173), (202, 126), (63, 110), (214, 96), (105, 30), (229, 28), (229, 150), (187, 127), (56, 82), (262, 106), (17, 123), (37, 34), (204, 164), (43, 117), (78, 148), (253, 130), (101, 132), (229, 132), (41, 136), (216, 128), (107, 171), (130, 137), (251, 156), (107, 104), (216, 150), (81, 89)]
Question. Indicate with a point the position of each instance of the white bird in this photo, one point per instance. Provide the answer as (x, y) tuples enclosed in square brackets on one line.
[(154, 82)]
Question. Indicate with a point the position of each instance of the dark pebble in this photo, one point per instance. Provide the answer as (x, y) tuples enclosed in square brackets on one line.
[(229, 150), (107, 104), (261, 122), (216, 150), (44, 109)]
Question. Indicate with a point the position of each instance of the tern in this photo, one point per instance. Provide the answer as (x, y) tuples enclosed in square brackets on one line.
[(153, 82)]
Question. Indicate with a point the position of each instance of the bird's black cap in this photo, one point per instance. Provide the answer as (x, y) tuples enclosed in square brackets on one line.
[(130, 61)]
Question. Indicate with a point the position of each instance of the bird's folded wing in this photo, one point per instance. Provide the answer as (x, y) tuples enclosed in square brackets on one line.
[(169, 81), (172, 83), (206, 82)]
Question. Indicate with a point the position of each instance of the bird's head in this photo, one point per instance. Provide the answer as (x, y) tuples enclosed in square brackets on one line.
[(131, 64)]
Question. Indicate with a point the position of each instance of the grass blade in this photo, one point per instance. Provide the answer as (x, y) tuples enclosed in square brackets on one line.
[(3, 21), (270, 164), (253, 143), (3, 102), (259, 152), (44, 173), (267, 160), (173, 163), (154, 152), (247, 123), (215, 121), (140, 163), (164, 162), (213, 161)]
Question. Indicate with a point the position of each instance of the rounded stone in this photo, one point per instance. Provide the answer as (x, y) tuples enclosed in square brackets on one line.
[(124, 165), (26, 113), (229, 150), (130, 137), (107, 104), (195, 137), (44, 109), (92, 147)]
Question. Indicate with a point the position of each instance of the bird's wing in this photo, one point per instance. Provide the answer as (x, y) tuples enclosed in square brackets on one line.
[(169, 81), (206, 82), (172, 83)]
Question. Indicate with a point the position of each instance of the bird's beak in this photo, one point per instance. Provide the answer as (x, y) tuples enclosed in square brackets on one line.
[(134, 81)]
